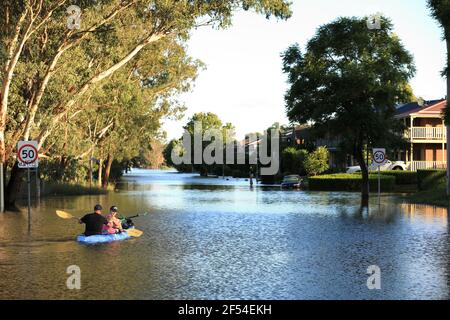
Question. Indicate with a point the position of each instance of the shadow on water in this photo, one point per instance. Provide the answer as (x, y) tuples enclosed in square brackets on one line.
[(208, 238)]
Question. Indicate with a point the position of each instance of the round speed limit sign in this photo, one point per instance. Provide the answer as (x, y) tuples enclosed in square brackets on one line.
[(27, 154), (379, 156)]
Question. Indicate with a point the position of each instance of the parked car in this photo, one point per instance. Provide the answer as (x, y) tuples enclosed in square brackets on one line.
[(388, 165), (291, 181)]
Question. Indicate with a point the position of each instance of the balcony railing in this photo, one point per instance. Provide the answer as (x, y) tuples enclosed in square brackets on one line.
[(426, 133), (422, 165)]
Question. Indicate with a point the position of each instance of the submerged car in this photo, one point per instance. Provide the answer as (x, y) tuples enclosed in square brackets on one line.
[(291, 181), (388, 165)]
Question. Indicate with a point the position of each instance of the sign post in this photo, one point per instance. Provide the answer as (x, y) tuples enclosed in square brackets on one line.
[(27, 156), (379, 158)]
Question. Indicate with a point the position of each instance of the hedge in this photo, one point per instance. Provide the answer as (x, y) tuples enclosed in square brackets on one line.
[(401, 177), (350, 182), (427, 179)]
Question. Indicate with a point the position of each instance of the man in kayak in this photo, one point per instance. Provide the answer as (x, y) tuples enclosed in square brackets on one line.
[(114, 224), (94, 222)]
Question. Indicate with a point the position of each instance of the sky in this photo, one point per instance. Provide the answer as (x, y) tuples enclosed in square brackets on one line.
[(244, 84)]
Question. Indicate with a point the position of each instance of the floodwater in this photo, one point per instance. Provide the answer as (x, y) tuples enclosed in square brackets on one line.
[(209, 238)]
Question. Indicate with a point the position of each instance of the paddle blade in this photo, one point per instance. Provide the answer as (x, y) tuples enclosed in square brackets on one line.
[(134, 232), (64, 215)]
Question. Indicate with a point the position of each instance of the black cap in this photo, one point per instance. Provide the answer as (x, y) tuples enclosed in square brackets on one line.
[(98, 207), (114, 209)]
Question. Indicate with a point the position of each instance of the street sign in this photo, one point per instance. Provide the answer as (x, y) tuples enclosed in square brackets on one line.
[(379, 156), (27, 157), (27, 154)]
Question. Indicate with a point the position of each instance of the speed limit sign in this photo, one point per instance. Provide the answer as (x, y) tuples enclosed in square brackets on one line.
[(379, 156), (27, 154)]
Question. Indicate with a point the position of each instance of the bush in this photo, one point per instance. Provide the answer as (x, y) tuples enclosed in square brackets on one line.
[(428, 179), (317, 161), (401, 177), (65, 189), (349, 182), (293, 160), (70, 171)]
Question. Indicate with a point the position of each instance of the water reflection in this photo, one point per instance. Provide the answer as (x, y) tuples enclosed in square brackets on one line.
[(217, 238)]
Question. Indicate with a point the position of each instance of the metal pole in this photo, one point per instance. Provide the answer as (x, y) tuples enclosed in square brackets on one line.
[(2, 191), (379, 186), (38, 188), (29, 199)]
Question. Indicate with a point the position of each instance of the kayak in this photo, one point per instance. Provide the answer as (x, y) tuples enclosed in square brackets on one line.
[(103, 238)]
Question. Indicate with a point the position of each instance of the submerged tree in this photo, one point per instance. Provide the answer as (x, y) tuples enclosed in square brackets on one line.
[(207, 126), (347, 84)]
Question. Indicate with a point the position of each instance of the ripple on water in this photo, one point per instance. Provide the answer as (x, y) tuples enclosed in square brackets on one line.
[(213, 238)]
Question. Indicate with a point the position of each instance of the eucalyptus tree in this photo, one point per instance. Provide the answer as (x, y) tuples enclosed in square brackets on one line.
[(38, 46), (347, 84), (122, 117)]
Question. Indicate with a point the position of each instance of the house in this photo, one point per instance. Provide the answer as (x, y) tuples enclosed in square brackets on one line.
[(425, 133), (301, 135), (297, 135)]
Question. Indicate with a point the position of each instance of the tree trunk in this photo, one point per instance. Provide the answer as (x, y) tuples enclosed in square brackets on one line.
[(13, 187), (100, 172), (38, 188), (62, 168), (359, 155), (91, 178), (107, 171)]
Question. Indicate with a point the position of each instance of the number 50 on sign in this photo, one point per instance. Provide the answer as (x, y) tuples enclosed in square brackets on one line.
[(27, 154)]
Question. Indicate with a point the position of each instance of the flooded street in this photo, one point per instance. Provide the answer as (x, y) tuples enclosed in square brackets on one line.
[(218, 239)]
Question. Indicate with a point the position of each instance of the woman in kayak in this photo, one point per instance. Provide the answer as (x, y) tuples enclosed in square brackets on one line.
[(114, 225)]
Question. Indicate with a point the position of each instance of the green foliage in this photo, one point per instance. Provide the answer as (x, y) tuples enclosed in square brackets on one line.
[(347, 83), (292, 160), (349, 182), (168, 152), (401, 177), (317, 161), (62, 170), (103, 90), (69, 189), (199, 124), (440, 9), (436, 195), (428, 179)]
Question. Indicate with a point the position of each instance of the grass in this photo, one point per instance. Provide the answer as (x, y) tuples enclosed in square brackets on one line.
[(69, 189), (349, 182), (436, 195)]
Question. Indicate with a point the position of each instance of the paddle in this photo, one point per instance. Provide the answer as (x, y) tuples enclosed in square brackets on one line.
[(131, 232), (138, 215), (65, 215), (134, 232)]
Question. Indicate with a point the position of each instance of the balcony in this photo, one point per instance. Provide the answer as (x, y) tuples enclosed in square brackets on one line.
[(437, 134), (423, 165)]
